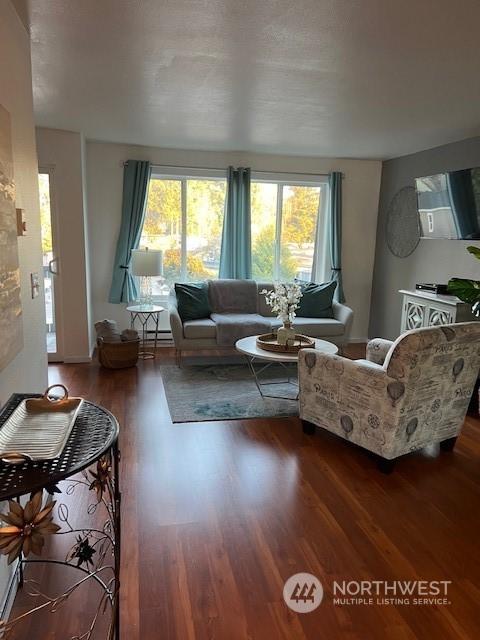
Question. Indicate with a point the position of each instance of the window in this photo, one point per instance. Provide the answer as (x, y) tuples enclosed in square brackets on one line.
[(184, 219), (284, 228)]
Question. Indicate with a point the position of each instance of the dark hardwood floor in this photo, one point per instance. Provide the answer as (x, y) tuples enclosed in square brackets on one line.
[(217, 515)]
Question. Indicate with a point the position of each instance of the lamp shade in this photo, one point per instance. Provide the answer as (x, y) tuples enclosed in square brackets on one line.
[(146, 262)]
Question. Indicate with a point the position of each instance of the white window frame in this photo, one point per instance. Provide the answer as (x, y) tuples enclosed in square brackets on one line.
[(184, 174), (298, 180)]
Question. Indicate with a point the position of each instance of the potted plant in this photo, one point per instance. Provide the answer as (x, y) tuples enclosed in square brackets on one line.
[(465, 289), (284, 300), (469, 291)]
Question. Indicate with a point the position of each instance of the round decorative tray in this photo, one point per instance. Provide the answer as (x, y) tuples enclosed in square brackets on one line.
[(268, 342)]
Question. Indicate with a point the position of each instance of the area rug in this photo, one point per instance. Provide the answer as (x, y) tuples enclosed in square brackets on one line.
[(225, 392)]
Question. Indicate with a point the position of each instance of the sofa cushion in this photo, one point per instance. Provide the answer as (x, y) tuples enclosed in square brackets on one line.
[(192, 300), (318, 327), (232, 296), (316, 301), (233, 326), (199, 329)]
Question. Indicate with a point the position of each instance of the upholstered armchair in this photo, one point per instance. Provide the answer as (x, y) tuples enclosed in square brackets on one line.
[(405, 395)]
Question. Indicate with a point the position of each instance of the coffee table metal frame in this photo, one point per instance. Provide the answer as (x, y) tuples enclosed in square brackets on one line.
[(259, 383), (253, 354)]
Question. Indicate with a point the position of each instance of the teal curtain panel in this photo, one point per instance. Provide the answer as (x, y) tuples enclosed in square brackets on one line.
[(236, 251), (335, 231), (136, 175)]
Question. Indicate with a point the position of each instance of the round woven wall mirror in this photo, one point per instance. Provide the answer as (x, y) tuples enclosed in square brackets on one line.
[(403, 223)]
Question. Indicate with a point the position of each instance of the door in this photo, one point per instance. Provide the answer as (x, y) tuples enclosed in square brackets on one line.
[(51, 266)]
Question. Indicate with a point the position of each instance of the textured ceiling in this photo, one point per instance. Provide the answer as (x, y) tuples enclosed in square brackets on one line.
[(352, 78)]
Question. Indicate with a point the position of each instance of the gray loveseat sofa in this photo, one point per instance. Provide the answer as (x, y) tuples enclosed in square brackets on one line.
[(238, 309)]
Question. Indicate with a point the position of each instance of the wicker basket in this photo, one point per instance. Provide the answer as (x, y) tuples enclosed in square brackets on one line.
[(117, 355), (268, 342)]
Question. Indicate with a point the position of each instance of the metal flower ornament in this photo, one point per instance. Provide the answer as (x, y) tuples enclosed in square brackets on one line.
[(82, 552), (101, 477), (26, 527)]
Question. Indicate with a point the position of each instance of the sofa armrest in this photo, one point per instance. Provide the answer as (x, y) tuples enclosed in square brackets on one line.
[(176, 325), (377, 350), (343, 314)]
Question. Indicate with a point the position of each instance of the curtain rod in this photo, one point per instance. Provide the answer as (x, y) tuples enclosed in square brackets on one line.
[(179, 166)]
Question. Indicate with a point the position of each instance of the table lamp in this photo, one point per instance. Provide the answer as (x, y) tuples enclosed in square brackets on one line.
[(146, 263)]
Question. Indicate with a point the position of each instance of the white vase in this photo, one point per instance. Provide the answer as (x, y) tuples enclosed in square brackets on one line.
[(286, 334)]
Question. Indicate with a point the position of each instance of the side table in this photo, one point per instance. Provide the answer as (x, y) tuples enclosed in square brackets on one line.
[(145, 312), (93, 543)]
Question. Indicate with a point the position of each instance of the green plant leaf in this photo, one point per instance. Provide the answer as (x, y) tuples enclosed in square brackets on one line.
[(466, 290), (475, 251)]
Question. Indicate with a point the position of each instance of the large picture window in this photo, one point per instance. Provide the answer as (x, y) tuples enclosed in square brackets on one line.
[(284, 228), (184, 219)]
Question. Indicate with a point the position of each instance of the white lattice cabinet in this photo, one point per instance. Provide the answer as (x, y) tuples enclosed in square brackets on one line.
[(423, 309)]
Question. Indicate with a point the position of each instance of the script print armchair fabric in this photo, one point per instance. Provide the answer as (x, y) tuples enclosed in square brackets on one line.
[(406, 395)]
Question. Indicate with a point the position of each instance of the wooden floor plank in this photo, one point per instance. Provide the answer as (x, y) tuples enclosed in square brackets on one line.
[(217, 515)]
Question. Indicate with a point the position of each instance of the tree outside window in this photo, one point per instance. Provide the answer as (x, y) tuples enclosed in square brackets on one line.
[(283, 241), (188, 233), (184, 219)]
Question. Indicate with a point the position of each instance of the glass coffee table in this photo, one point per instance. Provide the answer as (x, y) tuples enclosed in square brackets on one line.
[(254, 355)]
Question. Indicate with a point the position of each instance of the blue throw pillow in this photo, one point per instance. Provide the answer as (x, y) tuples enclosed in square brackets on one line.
[(316, 301), (192, 300)]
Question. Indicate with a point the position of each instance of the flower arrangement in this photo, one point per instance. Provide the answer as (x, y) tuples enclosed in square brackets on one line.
[(284, 300)]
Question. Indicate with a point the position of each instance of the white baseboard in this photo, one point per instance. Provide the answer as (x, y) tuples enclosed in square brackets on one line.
[(357, 340), (77, 359)]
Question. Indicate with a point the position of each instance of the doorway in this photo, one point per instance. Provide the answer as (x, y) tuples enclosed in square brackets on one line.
[(51, 265)]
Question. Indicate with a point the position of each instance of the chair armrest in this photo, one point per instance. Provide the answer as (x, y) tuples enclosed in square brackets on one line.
[(176, 325), (377, 350), (343, 314), (313, 363)]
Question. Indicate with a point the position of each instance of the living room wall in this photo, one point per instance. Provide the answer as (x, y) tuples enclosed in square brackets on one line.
[(360, 204), (432, 260), (28, 370)]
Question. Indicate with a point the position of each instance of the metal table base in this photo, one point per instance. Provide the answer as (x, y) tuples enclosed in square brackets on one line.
[(144, 314), (262, 383)]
